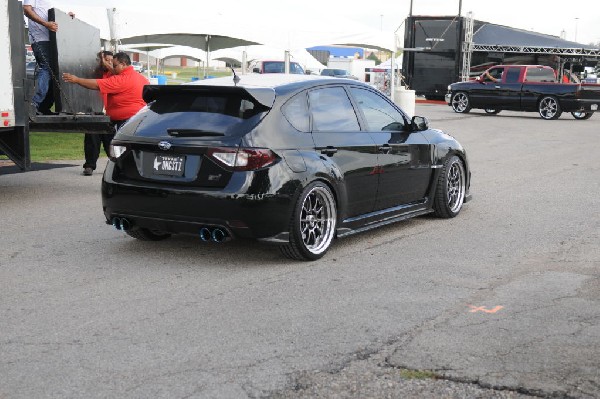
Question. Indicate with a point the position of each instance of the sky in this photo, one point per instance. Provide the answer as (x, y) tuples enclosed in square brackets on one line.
[(580, 23)]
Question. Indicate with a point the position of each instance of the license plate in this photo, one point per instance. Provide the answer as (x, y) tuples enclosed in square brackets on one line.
[(169, 165)]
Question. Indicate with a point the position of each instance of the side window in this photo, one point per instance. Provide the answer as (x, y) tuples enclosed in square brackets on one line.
[(296, 112), (512, 75), (495, 73), (379, 113), (537, 74), (332, 111)]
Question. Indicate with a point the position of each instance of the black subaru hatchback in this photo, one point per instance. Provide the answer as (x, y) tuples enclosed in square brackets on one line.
[(292, 160)]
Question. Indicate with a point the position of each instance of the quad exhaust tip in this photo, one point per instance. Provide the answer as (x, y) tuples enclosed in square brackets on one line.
[(215, 234), (121, 223)]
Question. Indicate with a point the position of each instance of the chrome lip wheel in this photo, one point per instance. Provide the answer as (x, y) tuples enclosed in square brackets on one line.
[(548, 108), (460, 102), (456, 186), (317, 220)]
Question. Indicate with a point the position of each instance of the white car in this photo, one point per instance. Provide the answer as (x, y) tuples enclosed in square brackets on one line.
[(138, 66)]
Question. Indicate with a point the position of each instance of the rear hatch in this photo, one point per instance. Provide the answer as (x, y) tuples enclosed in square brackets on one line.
[(190, 135)]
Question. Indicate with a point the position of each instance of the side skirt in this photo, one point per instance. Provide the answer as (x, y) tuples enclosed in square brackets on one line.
[(346, 231)]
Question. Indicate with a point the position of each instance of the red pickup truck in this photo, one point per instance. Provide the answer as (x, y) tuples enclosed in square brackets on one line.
[(531, 88)]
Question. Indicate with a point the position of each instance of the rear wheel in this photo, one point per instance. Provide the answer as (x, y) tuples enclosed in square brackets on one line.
[(582, 115), (147, 234), (312, 227), (549, 108), (492, 111), (451, 188), (461, 103)]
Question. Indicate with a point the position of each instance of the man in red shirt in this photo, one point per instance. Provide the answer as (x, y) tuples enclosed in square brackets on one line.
[(123, 91), (93, 142)]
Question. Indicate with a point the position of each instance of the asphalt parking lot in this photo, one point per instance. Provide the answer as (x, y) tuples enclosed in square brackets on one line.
[(500, 302)]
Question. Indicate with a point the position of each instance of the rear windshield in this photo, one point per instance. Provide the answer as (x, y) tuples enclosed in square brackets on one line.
[(215, 114)]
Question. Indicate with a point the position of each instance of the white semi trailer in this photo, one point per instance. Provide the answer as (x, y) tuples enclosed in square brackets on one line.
[(80, 110)]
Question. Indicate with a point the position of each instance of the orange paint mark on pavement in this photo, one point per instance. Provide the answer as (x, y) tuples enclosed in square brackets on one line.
[(484, 309)]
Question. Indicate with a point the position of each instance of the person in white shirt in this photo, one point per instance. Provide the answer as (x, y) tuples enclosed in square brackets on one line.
[(39, 38)]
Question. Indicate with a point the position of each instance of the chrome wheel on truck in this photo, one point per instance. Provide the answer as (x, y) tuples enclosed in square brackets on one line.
[(549, 108), (492, 111), (461, 103), (582, 115)]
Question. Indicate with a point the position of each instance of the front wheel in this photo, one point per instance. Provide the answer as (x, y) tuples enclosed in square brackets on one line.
[(549, 108), (461, 103), (313, 223), (451, 189), (582, 115)]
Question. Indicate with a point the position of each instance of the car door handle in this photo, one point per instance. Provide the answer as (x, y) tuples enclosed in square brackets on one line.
[(385, 149), (329, 150)]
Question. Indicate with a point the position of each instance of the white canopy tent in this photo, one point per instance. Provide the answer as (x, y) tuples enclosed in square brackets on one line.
[(388, 64), (207, 33), (210, 31)]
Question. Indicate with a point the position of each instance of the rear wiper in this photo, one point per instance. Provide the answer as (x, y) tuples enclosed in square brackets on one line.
[(192, 133)]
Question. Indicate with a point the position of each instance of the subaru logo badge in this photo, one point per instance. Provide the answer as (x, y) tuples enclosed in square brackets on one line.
[(164, 145)]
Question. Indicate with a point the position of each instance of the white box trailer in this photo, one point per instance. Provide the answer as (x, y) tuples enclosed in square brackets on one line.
[(73, 49), (7, 97), (14, 132)]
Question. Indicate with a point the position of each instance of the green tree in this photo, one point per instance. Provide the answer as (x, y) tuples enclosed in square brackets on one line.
[(373, 57)]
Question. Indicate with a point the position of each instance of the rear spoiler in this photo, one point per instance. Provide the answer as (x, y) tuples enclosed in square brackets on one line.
[(265, 96)]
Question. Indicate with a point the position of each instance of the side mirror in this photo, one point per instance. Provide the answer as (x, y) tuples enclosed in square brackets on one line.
[(419, 123), (256, 70)]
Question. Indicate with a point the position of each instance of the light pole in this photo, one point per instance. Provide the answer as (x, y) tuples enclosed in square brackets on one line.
[(576, 21)]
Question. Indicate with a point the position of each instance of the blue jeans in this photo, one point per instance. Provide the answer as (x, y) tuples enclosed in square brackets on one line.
[(41, 51)]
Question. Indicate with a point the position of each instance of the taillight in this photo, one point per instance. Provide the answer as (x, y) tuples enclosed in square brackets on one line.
[(115, 151), (243, 159)]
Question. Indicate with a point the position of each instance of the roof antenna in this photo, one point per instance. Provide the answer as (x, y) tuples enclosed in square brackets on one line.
[(236, 78)]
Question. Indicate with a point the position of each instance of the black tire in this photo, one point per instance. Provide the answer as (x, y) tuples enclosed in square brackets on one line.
[(582, 115), (460, 102), (451, 189), (549, 108), (313, 223), (492, 111), (146, 234)]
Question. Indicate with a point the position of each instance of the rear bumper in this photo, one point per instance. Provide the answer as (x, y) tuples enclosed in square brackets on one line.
[(243, 212), (581, 105)]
